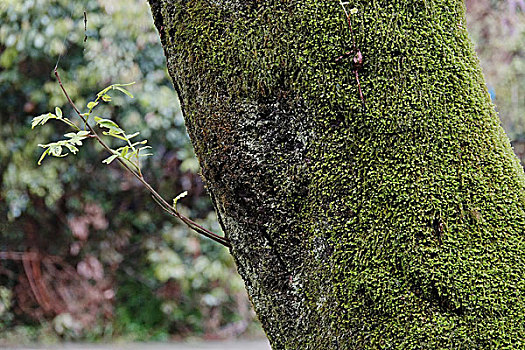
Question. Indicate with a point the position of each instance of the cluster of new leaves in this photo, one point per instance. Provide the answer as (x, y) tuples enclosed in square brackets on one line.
[(55, 148), (130, 153)]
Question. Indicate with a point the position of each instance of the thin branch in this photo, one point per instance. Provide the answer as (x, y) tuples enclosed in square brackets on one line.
[(357, 60), (191, 224), (158, 198), (349, 24), (359, 88)]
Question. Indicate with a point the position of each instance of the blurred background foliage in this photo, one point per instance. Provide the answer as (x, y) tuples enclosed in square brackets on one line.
[(84, 251), (497, 28)]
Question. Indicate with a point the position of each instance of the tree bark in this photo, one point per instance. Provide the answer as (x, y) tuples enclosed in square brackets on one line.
[(389, 222)]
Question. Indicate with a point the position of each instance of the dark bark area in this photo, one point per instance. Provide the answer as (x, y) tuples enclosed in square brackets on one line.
[(397, 224)]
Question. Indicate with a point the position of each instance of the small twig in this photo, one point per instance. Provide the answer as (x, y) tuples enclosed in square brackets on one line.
[(359, 87), (85, 26), (357, 61), (158, 198), (354, 46), (191, 224)]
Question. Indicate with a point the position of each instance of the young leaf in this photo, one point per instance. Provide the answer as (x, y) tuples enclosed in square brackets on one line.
[(109, 159), (44, 154), (124, 91), (76, 138), (92, 105), (143, 142), (129, 156), (58, 112), (110, 133), (126, 84), (113, 87), (109, 124), (182, 195), (42, 119), (133, 135), (103, 92), (56, 150), (71, 147), (123, 151), (70, 123), (145, 154)]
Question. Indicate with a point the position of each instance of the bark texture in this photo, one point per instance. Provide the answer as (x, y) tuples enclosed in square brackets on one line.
[(394, 225)]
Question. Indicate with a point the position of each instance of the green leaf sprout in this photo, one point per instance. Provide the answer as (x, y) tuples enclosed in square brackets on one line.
[(128, 155)]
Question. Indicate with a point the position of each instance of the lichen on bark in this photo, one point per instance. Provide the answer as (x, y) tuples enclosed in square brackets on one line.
[(397, 225)]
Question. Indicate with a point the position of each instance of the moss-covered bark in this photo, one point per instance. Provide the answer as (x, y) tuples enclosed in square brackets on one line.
[(397, 225)]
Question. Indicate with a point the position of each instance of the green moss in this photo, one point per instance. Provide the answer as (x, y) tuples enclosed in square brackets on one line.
[(397, 225)]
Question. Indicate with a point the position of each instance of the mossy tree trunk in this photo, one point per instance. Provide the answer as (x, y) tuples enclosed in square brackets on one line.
[(397, 224)]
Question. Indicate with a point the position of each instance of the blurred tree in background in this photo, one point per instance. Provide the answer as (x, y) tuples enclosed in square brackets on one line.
[(84, 251), (498, 29)]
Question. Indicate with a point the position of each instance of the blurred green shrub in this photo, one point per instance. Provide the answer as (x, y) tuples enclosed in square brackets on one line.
[(107, 261)]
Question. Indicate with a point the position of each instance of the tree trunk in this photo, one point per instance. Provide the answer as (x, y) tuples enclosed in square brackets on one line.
[(392, 221)]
